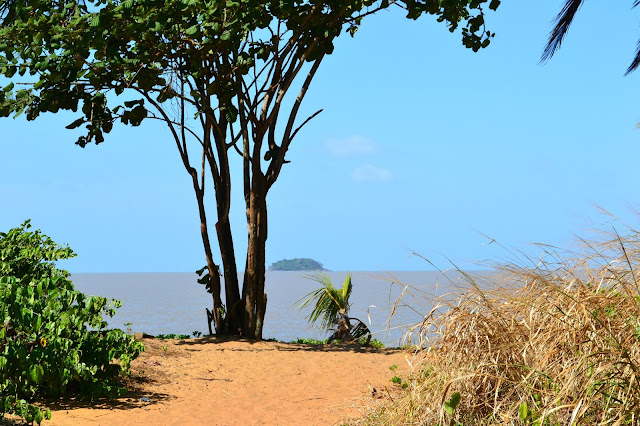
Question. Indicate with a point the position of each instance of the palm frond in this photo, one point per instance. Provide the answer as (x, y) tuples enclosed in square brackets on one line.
[(327, 301), (347, 287), (563, 22), (636, 60)]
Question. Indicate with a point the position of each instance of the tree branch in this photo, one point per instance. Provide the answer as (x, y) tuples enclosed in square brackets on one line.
[(278, 159)]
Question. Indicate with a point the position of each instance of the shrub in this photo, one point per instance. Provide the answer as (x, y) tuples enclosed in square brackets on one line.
[(52, 337), (331, 307), (552, 343)]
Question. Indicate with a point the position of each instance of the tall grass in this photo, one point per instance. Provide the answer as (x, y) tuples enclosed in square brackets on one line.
[(554, 342)]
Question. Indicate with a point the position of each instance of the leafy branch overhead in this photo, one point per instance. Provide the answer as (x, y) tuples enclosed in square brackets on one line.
[(75, 59)]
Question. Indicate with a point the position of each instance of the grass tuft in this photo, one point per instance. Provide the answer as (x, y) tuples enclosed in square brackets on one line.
[(557, 342)]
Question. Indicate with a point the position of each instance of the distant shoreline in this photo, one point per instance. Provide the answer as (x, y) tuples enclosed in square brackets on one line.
[(403, 271)]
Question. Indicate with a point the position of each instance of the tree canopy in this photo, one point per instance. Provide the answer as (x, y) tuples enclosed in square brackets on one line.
[(79, 51)]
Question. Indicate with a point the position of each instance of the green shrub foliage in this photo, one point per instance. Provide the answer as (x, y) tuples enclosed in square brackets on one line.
[(52, 338)]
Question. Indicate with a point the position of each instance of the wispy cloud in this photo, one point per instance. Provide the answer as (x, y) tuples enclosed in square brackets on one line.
[(351, 146), (370, 173)]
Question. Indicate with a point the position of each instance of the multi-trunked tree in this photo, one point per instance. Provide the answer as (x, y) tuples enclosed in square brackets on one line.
[(216, 72)]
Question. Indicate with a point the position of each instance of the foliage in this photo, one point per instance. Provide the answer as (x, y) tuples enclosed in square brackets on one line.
[(551, 342), (301, 341), (328, 302), (173, 336), (216, 73), (80, 51), (331, 307), (52, 337), (374, 343), (303, 264), (560, 30)]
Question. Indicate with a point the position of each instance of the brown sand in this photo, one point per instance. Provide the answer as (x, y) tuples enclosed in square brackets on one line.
[(218, 382)]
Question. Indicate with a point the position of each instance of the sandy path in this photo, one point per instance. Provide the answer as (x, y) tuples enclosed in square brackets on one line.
[(204, 381)]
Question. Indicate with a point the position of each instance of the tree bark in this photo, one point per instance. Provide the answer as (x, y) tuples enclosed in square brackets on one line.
[(214, 276), (233, 318), (255, 298), (343, 329)]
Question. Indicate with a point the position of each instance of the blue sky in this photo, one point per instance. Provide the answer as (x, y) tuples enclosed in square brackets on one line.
[(423, 146)]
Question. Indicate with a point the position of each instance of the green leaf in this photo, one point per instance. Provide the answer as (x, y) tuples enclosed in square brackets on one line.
[(36, 373), (451, 404), (38, 416), (523, 411), (131, 104), (77, 123)]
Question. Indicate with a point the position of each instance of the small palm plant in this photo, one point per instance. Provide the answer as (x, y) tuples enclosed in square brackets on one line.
[(331, 307)]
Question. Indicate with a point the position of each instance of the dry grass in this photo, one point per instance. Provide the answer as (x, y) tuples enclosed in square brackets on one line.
[(553, 343)]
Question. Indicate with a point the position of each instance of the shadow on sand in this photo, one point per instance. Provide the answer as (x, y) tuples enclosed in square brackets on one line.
[(136, 397)]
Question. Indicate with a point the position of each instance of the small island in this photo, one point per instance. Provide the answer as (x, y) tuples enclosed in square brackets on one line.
[(304, 264)]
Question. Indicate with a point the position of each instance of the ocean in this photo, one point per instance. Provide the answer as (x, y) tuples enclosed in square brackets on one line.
[(163, 303)]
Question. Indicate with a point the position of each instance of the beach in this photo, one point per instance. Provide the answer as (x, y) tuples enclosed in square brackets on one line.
[(224, 382)]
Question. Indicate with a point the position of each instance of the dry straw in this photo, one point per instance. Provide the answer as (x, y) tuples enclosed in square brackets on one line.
[(552, 343)]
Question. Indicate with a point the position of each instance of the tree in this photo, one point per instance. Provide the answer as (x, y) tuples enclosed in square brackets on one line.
[(560, 30), (331, 306), (216, 73)]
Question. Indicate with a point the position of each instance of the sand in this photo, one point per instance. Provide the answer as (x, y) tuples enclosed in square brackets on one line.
[(232, 382)]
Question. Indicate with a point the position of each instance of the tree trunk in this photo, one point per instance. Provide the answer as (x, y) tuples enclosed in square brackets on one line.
[(343, 329), (253, 290), (233, 318), (214, 276)]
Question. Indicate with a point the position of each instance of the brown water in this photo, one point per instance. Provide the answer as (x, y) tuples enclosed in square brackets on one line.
[(175, 303)]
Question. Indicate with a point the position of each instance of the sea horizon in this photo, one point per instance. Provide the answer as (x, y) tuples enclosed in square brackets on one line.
[(173, 302)]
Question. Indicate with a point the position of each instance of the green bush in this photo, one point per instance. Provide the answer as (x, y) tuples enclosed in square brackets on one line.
[(52, 337), (173, 336)]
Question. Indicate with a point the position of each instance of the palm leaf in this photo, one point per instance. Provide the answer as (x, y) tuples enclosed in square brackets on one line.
[(327, 301), (563, 22)]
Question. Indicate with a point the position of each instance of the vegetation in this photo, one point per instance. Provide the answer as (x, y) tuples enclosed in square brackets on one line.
[(374, 343), (304, 264), (331, 307), (217, 74), (173, 336), (553, 343), (560, 30), (52, 337)]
